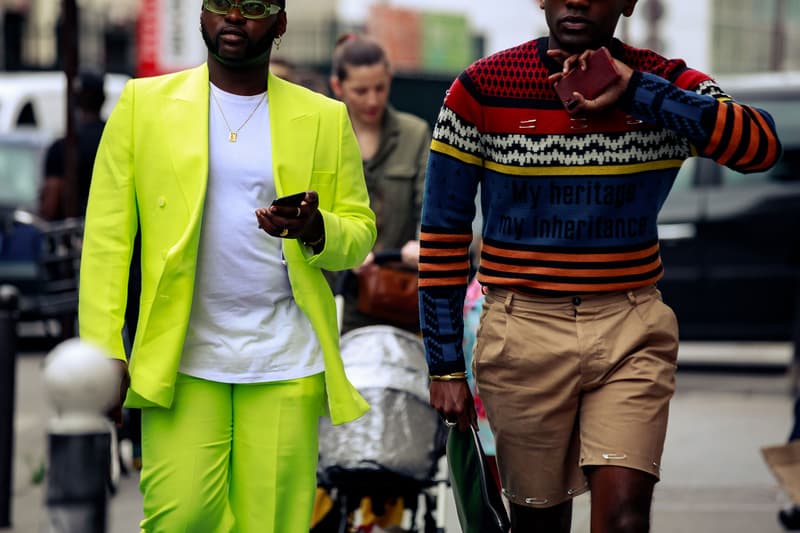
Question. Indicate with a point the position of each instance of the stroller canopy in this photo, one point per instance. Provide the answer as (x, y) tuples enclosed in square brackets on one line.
[(385, 357)]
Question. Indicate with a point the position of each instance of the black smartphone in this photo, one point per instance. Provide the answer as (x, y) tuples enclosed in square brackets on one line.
[(292, 200), (599, 74)]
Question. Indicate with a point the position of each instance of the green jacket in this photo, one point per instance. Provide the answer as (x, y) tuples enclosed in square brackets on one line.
[(395, 178), (151, 170)]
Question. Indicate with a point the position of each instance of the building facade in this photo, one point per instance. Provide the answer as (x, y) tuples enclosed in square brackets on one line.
[(718, 36)]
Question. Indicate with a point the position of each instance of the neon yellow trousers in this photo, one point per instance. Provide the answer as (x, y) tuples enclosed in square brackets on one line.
[(232, 458)]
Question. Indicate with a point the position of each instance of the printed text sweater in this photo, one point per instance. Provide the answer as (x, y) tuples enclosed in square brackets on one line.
[(569, 204)]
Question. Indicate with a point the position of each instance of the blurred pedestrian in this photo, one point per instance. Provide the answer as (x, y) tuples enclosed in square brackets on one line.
[(53, 195), (91, 96), (308, 78), (790, 516), (282, 67), (576, 352), (236, 353), (394, 148)]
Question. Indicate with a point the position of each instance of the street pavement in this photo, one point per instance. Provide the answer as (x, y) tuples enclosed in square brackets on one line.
[(714, 479)]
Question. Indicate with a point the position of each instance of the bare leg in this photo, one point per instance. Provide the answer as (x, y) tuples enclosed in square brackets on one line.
[(556, 519), (621, 499)]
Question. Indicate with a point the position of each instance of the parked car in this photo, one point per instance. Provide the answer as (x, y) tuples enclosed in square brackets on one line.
[(21, 165), (730, 241), (39, 258), (37, 100)]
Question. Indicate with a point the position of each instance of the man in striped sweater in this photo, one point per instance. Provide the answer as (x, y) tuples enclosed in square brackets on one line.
[(576, 352)]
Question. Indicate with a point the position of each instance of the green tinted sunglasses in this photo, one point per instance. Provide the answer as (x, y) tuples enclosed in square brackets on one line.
[(250, 9)]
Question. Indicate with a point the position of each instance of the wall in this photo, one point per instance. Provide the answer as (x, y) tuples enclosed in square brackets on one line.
[(514, 22), (685, 31), (684, 28)]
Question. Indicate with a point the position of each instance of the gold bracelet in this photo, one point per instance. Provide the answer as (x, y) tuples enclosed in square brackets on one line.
[(315, 243), (455, 376)]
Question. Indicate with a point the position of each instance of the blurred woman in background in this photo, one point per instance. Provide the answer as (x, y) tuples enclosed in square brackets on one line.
[(394, 147)]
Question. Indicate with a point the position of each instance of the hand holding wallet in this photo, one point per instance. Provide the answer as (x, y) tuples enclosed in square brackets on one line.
[(600, 73)]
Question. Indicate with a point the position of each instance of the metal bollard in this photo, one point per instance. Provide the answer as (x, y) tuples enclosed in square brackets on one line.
[(82, 384), (9, 307)]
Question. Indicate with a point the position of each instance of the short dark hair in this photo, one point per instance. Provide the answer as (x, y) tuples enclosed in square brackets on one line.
[(90, 89), (354, 50)]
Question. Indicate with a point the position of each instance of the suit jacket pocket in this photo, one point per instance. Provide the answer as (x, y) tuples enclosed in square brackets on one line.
[(322, 181)]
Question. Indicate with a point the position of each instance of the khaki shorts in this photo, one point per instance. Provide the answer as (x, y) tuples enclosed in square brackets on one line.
[(573, 382)]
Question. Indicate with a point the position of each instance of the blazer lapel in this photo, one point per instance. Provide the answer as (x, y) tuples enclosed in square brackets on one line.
[(185, 141), (185, 113), (294, 138)]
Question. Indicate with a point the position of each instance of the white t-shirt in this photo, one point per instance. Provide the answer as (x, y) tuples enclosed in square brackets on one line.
[(245, 326)]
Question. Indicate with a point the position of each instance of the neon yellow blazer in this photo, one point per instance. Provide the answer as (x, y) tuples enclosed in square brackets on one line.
[(151, 170)]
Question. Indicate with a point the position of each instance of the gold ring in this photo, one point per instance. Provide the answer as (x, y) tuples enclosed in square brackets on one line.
[(284, 232), (298, 213)]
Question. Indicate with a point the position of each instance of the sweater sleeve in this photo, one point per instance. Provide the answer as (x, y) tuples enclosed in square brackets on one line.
[(738, 136), (455, 167)]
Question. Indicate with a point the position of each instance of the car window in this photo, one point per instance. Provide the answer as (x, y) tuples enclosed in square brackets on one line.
[(786, 114), (27, 116), (19, 175), (786, 170), (685, 177)]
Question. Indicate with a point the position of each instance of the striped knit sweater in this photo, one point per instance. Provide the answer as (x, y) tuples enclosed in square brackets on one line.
[(569, 204)]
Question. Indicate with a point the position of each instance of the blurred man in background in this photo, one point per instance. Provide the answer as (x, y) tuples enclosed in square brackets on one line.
[(52, 201)]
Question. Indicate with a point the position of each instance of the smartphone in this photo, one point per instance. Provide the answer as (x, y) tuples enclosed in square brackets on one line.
[(599, 74), (292, 200)]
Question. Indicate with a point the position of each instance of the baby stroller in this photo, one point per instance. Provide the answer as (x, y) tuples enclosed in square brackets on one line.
[(394, 449)]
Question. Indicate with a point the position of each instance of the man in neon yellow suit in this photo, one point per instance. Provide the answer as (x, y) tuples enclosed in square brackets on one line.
[(236, 353)]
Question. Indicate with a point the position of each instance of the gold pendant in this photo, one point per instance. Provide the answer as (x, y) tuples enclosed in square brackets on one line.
[(232, 137)]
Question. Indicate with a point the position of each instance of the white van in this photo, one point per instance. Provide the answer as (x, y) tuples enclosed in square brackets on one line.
[(37, 100)]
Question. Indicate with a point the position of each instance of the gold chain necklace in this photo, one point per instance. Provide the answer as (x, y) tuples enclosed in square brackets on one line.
[(233, 134)]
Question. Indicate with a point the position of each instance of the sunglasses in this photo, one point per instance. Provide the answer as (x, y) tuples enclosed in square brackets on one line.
[(250, 9)]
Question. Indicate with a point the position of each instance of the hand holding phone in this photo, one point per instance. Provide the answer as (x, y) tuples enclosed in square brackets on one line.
[(292, 200), (294, 216), (600, 73)]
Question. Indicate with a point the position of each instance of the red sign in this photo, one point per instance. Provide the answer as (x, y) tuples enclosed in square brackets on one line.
[(147, 37), (168, 38)]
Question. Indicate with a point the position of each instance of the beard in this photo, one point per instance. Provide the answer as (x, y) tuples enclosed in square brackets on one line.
[(256, 53)]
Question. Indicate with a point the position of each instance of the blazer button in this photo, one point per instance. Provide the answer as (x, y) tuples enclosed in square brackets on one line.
[(162, 201)]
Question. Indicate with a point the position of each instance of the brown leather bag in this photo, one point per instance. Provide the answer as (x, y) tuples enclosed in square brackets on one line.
[(389, 292)]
